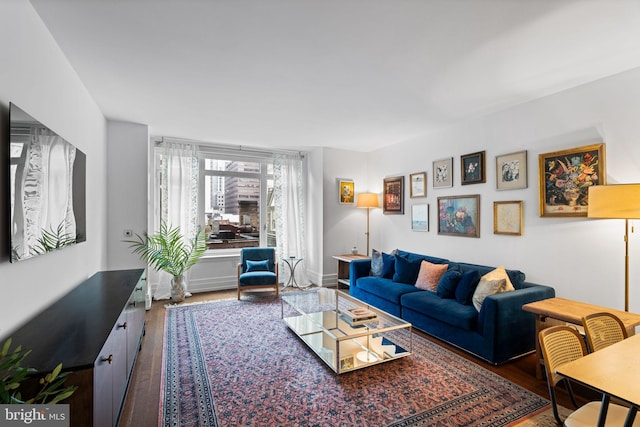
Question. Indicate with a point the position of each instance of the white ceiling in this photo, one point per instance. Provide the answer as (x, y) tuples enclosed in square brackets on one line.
[(354, 74)]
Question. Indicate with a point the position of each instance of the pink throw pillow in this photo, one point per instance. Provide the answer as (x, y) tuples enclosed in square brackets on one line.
[(429, 275)]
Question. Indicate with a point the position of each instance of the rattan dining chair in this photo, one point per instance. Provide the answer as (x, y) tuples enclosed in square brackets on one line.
[(563, 344), (603, 329)]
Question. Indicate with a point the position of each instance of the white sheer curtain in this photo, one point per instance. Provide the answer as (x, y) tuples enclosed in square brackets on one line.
[(289, 200), (177, 201)]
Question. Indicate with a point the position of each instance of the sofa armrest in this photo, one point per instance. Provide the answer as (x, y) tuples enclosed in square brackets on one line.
[(358, 268), (502, 320)]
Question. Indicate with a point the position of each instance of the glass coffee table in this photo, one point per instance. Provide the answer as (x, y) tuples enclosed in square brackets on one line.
[(346, 333)]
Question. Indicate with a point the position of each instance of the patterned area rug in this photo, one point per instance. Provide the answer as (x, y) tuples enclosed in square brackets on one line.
[(235, 363)]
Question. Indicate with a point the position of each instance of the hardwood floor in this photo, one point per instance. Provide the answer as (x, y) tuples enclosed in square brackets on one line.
[(142, 401)]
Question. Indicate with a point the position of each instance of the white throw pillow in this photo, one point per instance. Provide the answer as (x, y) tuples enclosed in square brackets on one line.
[(500, 273), (486, 288)]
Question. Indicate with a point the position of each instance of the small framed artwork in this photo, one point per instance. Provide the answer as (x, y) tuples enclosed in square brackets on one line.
[(511, 171), (346, 191), (420, 217), (418, 186), (459, 216), (443, 173), (507, 218), (393, 196), (347, 363), (473, 168), (565, 178)]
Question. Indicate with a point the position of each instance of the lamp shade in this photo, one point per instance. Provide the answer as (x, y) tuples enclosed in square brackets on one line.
[(367, 200), (614, 201)]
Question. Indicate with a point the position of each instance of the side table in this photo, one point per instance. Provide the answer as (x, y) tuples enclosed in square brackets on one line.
[(343, 267), (292, 263)]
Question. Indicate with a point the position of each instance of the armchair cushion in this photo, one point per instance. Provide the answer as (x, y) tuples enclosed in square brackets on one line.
[(253, 278), (258, 265)]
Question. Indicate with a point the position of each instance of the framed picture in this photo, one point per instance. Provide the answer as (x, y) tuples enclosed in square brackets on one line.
[(393, 196), (420, 217), (507, 218), (565, 178), (473, 169), (346, 191), (511, 171), (346, 363), (443, 173), (418, 185), (459, 216)]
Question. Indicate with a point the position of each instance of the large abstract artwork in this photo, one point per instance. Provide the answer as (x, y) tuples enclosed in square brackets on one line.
[(47, 179)]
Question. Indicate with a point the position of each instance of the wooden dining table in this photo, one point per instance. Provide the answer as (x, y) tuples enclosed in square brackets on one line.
[(614, 371)]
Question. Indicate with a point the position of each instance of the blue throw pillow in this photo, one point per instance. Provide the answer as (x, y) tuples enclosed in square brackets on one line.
[(448, 284), (257, 265), (467, 286), (376, 263), (388, 265), (406, 270)]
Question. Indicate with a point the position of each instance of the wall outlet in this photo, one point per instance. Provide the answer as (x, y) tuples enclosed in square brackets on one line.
[(127, 233)]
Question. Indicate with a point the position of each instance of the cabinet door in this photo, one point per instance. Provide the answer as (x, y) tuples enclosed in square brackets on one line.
[(103, 385), (119, 364), (136, 315)]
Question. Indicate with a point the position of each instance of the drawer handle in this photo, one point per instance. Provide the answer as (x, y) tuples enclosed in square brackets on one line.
[(123, 326), (108, 359), (139, 288)]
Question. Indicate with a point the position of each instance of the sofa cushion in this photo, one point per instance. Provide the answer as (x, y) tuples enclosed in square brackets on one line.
[(467, 286), (445, 310), (499, 273), (517, 277), (388, 265), (448, 283), (429, 275), (406, 270), (485, 288), (376, 263), (385, 288)]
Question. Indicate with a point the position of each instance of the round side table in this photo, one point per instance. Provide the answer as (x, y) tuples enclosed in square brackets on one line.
[(292, 263)]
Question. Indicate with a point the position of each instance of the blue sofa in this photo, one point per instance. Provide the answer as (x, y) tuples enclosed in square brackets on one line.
[(499, 332)]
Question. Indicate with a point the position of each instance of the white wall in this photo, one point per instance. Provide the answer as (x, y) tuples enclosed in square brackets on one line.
[(581, 258), (343, 225), (127, 198), (37, 77)]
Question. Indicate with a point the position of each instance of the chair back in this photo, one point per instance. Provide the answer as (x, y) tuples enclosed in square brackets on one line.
[(258, 254), (603, 329), (560, 344)]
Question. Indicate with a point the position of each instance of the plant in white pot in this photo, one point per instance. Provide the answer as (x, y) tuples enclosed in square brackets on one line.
[(167, 250)]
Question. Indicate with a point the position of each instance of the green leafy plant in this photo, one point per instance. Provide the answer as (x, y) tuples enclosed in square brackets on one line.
[(167, 250), (13, 374)]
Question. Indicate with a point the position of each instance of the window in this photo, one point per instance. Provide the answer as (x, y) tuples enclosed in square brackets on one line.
[(237, 201)]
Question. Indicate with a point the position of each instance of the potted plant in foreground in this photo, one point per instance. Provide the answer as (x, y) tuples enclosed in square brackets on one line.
[(167, 250)]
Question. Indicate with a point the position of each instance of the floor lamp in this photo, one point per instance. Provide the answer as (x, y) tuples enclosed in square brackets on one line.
[(618, 202), (367, 201)]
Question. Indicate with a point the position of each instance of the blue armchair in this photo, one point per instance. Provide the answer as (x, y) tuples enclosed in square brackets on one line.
[(258, 269)]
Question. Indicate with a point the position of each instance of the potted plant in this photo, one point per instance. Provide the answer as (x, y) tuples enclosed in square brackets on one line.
[(13, 375), (168, 250)]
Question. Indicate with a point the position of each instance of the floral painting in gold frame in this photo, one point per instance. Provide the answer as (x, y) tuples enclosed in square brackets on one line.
[(507, 218), (565, 177)]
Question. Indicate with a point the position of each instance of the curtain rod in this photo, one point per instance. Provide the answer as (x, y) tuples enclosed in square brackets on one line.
[(230, 149)]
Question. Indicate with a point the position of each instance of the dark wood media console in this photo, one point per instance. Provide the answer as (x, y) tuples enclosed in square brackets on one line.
[(95, 331)]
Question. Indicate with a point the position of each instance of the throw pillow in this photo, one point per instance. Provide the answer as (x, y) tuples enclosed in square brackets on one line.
[(448, 283), (467, 286), (486, 288), (257, 265), (429, 275), (388, 264), (376, 263), (406, 270), (500, 273)]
